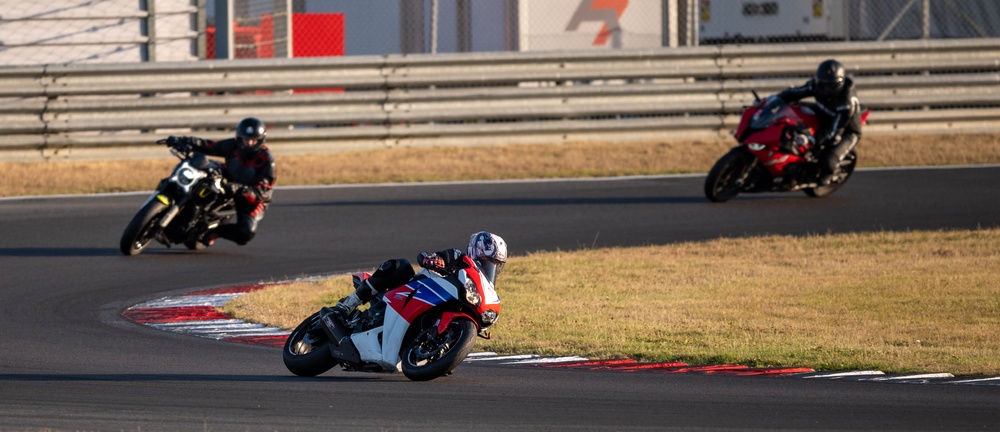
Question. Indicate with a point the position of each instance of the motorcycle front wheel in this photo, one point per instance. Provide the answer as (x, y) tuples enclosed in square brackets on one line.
[(307, 352), (725, 179), (430, 355), (846, 169), (141, 230)]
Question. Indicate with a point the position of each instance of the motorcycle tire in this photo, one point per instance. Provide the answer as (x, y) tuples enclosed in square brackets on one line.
[(306, 351), (846, 169), (430, 355), (139, 232), (721, 184)]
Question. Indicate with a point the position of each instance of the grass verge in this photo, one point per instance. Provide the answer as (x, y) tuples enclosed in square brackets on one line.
[(894, 301), (482, 163)]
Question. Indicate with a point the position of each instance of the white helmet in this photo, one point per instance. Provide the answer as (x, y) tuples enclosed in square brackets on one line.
[(489, 251)]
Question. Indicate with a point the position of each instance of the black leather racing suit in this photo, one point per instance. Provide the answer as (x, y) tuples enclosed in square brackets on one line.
[(254, 171), (840, 121), (396, 272)]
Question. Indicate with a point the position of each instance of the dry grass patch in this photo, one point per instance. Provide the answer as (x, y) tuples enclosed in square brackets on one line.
[(914, 301), (480, 163)]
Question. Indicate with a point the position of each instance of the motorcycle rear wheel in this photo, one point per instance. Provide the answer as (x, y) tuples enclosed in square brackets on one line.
[(306, 351), (140, 231), (846, 169), (723, 181), (430, 355)]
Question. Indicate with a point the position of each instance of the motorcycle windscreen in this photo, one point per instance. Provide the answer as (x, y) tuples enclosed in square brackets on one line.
[(773, 110)]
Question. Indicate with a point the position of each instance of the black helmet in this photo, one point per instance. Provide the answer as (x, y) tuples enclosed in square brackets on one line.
[(250, 134), (830, 76)]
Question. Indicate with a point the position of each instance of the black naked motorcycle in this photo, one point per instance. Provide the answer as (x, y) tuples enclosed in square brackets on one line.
[(194, 199)]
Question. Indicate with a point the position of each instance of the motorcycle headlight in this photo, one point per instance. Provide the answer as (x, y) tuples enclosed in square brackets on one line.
[(489, 317), (186, 176), (471, 293)]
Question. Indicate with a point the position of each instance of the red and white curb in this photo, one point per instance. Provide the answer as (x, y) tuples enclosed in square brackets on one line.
[(198, 314)]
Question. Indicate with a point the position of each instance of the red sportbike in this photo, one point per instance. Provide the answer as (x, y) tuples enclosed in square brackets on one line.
[(777, 153), (424, 328)]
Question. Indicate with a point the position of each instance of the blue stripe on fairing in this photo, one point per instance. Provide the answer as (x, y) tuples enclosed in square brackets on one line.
[(430, 292)]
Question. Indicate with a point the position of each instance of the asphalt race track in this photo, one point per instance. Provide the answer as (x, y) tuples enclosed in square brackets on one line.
[(69, 361)]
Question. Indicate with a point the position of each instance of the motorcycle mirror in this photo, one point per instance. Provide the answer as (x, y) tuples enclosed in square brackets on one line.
[(756, 98)]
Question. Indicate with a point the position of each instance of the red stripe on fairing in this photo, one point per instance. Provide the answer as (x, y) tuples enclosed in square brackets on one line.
[(408, 306), (275, 341), (174, 314), (231, 290)]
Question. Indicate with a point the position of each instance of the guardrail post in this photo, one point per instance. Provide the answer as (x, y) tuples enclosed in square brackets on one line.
[(283, 29), (149, 30), (224, 44)]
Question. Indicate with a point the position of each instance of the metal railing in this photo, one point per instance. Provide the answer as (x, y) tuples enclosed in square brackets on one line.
[(911, 86)]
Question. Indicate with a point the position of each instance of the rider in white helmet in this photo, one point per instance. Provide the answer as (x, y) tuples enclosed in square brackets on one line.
[(488, 250)]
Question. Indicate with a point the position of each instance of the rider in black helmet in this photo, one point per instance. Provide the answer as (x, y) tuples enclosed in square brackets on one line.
[(249, 167), (840, 114)]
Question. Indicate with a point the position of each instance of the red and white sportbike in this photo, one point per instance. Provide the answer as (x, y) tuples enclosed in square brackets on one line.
[(776, 153), (424, 328)]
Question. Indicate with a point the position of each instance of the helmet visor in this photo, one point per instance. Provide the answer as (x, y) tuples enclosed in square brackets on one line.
[(249, 143), (829, 87), (490, 268)]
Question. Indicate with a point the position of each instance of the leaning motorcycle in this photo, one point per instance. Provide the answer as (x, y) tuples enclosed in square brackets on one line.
[(776, 153), (424, 328), (184, 206)]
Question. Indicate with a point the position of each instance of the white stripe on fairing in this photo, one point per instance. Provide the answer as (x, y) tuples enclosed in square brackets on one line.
[(549, 360), (192, 300), (847, 374), (497, 358), (977, 380)]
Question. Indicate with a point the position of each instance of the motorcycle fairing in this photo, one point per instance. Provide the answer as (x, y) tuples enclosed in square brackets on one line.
[(764, 140), (370, 350), (405, 304), (415, 298)]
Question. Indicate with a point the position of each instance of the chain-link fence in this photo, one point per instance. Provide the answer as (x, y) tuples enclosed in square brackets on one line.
[(271, 28), (98, 31), (376, 27), (780, 21), (90, 31)]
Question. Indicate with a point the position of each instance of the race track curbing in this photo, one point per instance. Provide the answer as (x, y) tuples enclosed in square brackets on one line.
[(197, 314)]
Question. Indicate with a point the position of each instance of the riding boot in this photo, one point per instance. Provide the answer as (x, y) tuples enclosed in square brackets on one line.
[(363, 294), (829, 159)]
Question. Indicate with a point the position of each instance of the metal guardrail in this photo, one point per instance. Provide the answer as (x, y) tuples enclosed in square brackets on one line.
[(942, 85)]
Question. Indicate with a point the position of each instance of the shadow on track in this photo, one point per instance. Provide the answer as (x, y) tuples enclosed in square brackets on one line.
[(517, 202), (177, 377), (58, 252)]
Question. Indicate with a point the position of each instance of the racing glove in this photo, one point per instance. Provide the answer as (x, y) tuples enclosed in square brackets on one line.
[(179, 142), (430, 261)]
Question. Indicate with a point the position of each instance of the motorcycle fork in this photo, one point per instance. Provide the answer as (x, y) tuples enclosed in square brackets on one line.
[(741, 180), (172, 212)]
